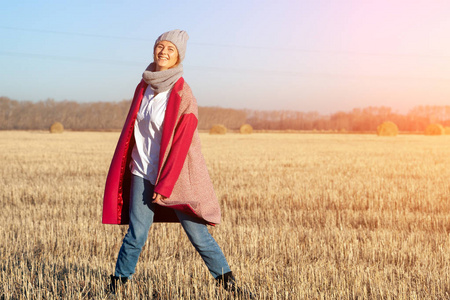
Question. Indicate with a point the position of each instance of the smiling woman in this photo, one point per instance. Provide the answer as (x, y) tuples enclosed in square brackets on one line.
[(158, 173)]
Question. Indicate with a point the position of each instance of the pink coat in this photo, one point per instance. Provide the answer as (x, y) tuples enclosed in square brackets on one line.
[(182, 173)]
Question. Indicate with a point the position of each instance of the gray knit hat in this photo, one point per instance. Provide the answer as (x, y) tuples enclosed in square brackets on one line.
[(177, 37)]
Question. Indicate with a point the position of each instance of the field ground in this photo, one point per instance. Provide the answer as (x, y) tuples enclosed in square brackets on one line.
[(304, 216)]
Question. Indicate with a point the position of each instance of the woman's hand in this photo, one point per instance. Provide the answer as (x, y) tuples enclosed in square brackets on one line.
[(157, 198)]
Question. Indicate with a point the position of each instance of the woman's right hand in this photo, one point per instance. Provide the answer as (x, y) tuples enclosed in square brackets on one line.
[(157, 198)]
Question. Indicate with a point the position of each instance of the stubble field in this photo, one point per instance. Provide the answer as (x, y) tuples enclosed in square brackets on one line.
[(304, 216)]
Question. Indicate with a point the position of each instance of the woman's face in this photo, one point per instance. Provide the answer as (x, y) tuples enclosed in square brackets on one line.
[(165, 55)]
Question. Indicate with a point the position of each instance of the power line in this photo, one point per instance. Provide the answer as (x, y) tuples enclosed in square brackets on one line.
[(71, 58), (74, 33), (259, 72), (313, 74), (333, 52)]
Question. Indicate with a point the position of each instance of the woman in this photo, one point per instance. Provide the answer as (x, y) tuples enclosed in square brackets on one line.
[(158, 173)]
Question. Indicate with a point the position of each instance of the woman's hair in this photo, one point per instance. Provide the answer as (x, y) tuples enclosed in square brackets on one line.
[(178, 61)]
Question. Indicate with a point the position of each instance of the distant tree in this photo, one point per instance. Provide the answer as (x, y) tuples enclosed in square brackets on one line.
[(230, 118), (26, 115)]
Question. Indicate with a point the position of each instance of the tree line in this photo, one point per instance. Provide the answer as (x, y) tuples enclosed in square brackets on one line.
[(27, 115)]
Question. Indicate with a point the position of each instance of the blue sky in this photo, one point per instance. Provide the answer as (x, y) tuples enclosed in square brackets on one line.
[(321, 55)]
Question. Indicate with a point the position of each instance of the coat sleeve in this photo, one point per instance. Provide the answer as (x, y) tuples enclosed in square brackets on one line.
[(175, 160)]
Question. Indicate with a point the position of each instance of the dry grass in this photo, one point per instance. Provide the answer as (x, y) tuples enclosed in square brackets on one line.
[(304, 217), (447, 130), (387, 128), (246, 129), (435, 129), (56, 127), (218, 129)]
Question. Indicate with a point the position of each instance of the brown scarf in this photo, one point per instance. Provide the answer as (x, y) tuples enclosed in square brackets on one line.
[(163, 80)]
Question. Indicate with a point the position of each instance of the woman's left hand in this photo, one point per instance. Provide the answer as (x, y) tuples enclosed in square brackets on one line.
[(158, 197)]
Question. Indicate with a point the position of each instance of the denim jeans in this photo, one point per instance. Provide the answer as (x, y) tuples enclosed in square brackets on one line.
[(141, 218)]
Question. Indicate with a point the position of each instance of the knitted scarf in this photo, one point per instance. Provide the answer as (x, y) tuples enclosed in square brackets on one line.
[(163, 80)]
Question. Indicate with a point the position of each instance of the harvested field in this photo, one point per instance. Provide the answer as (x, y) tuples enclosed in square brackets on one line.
[(304, 216)]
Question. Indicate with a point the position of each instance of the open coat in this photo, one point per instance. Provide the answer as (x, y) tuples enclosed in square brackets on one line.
[(182, 173)]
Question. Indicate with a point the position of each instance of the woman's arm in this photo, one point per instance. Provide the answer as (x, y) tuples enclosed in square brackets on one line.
[(175, 160)]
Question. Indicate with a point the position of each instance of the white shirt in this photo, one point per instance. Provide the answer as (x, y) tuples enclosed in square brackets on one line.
[(147, 133)]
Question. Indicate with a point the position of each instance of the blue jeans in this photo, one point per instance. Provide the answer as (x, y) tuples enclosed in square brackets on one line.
[(141, 218)]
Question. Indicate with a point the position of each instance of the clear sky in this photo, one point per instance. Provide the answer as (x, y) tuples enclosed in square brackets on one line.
[(305, 55)]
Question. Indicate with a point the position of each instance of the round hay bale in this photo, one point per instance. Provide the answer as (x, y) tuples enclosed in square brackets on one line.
[(447, 130), (246, 129), (218, 129), (387, 128), (56, 128), (434, 129)]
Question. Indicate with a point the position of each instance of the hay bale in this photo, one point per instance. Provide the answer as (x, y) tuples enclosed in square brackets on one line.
[(246, 129), (218, 129), (434, 129), (56, 128), (387, 128), (447, 130)]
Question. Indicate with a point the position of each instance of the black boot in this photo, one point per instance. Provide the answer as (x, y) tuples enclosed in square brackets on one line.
[(115, 281), (229, 283)]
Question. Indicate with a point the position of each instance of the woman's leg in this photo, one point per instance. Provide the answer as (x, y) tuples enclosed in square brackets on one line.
[(141, 218), (204, 243)]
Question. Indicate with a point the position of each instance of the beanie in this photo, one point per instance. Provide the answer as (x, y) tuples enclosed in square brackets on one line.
[(177, 37)]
